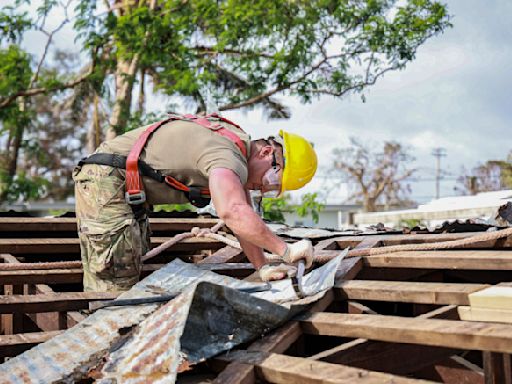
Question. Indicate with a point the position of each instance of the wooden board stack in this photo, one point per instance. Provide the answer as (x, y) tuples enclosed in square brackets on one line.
[(489, 304)]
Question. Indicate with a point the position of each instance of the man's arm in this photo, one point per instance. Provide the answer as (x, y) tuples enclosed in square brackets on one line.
[(232, 205)]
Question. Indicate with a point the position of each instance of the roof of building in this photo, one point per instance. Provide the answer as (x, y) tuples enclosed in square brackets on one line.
[(390, 316)]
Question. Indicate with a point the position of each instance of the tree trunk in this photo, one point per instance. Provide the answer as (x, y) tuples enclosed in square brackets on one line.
[(125, 74), (142, 92), (93, 134), (18, 138), (369, 204), (125, 77)]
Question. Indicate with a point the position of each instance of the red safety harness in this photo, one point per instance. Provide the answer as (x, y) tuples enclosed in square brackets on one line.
[(135, 194)]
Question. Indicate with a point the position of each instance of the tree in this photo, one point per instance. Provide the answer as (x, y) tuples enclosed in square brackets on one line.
[(493, 175), (273, 208), (379, 177), (234, 54)]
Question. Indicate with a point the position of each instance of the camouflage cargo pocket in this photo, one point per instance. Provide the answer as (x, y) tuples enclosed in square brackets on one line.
[(112, 252), (97, 186)]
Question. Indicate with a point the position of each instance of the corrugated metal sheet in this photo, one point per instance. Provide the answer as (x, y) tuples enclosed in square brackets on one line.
[(153, 353), (69, 356), (203, 322)]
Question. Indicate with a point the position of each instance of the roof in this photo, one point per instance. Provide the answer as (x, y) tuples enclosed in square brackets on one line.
[(483, 205), (391, 317)]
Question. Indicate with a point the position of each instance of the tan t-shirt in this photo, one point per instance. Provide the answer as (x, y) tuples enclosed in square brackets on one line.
[(185, 150)]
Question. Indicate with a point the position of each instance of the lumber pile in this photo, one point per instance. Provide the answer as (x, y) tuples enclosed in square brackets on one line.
[(406, 317), (493, 304)]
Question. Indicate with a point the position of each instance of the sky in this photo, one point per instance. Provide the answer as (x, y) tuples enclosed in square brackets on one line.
[(454, 95)]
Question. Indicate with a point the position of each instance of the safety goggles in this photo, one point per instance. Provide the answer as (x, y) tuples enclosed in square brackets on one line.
[(271, 180)]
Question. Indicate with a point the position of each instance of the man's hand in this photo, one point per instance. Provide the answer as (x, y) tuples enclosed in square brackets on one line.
[(301, 250), (276, 272)]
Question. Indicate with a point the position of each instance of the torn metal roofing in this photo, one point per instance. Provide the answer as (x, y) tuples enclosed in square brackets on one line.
[(220, 318), (390, 317)]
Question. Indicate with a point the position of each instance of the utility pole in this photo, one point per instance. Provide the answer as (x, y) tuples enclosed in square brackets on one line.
[(438, 153)]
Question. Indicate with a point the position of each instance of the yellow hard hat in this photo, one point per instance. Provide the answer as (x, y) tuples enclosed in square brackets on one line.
[(300, 161)]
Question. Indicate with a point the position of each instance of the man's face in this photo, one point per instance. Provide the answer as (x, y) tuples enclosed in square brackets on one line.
[(266, 171), (271, 180)]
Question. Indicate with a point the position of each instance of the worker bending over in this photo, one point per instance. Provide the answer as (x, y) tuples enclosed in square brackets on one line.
[(179, 160)]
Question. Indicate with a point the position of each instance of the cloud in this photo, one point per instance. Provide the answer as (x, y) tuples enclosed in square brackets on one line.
[(455, 95)]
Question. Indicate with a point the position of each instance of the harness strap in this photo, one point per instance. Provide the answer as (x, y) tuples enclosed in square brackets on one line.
[(218, 128), (135, 194), (119, 161), (134, 188), (200, 197)]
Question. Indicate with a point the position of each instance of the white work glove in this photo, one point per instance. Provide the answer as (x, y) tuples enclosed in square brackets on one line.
[(276, 272), (301, 250)]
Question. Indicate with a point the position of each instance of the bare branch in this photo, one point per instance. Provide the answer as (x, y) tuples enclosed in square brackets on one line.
[(37, 91), (253, 100), (48, 43), (212, 51)]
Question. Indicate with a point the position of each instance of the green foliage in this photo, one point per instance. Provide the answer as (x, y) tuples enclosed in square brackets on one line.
[(15, 70), (22, 187), (411, 223), (310, 205), (12, 24), (273, 208), (139, 119), (15, 74), (238, 53), (174, 208), (240, 49)]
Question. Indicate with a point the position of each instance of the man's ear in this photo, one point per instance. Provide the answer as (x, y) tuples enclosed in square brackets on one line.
[(265, 151)]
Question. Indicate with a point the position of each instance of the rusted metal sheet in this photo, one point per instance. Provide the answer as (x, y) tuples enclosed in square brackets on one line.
[(155, 349), (206, 321), (68, 357), (202, 322)]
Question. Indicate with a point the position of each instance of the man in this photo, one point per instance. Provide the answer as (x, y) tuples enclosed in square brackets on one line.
[(182, 159)]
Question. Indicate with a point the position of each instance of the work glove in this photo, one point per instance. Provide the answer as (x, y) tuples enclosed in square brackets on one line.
[(276, 272), (301, 250)]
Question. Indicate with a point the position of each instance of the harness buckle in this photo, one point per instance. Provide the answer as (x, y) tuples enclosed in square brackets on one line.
[(135, 197), (196, 199)]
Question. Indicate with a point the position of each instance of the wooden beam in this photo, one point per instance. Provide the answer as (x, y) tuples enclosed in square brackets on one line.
[(276, 341), (407, 292), (47, 321), (440, 333), (13, 345), (73, 276), (453, 259), (326, 244), (277, 368), (48, 276), (393, 274), (68, 224), (51, 302), (497, 368), (452, 370), (72, 245), (352, 241), (393, 358), (349, 269), (224, 255), (12, 323)]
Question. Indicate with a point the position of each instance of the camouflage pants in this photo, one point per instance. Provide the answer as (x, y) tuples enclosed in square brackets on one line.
[(112, 239)]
